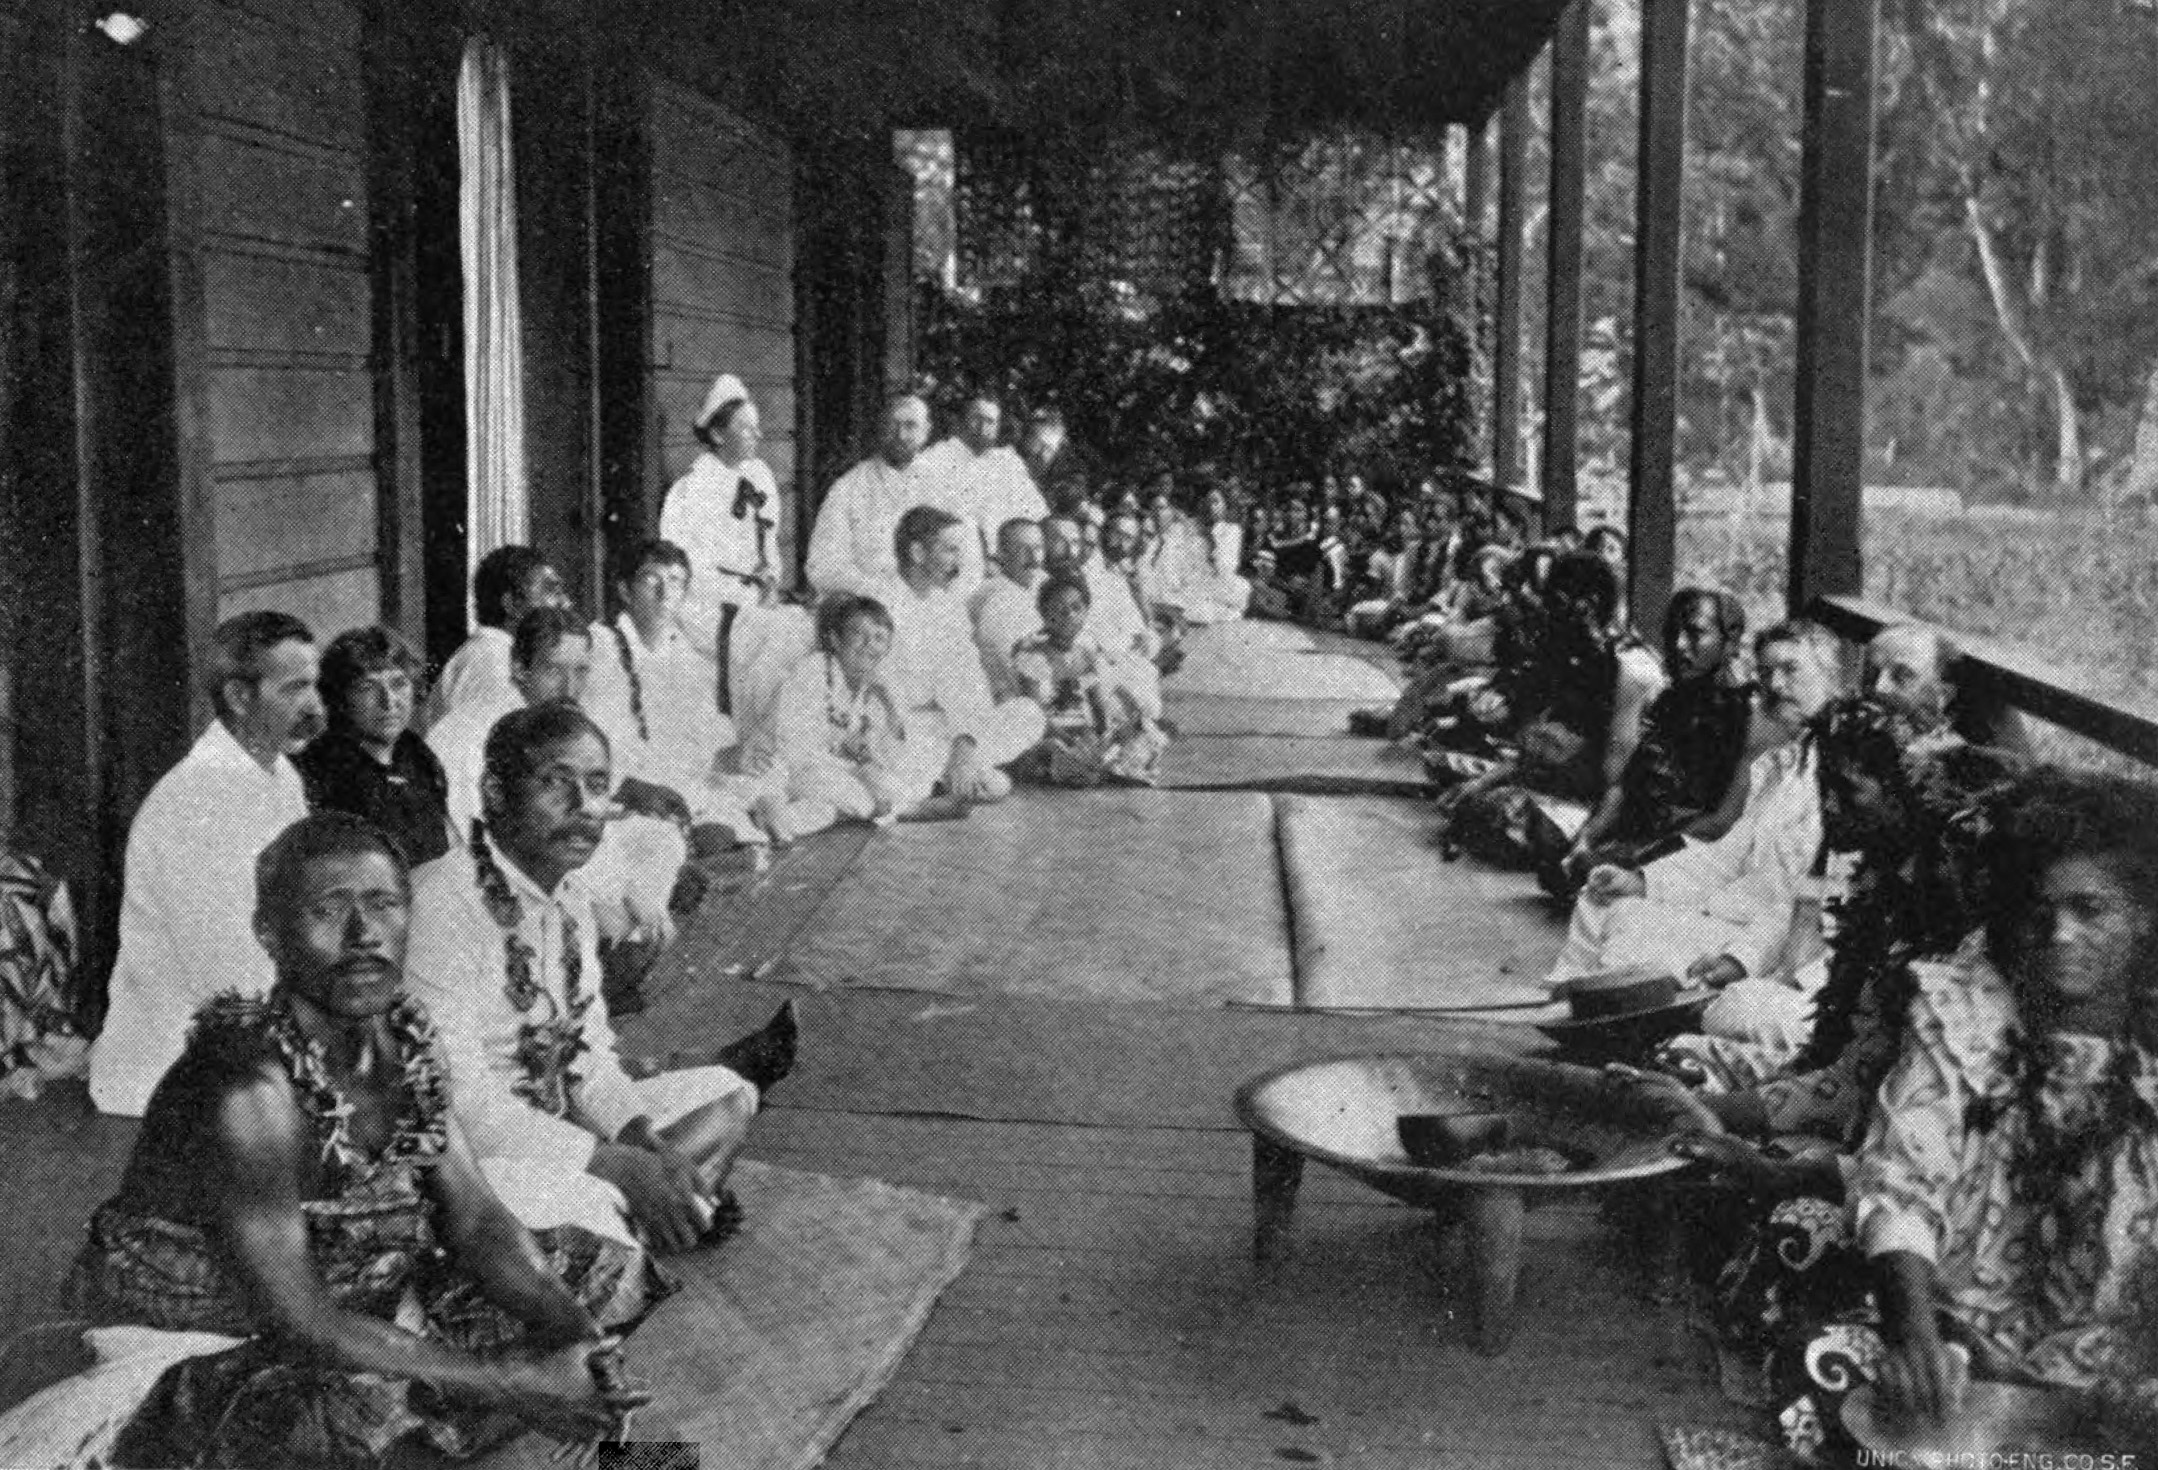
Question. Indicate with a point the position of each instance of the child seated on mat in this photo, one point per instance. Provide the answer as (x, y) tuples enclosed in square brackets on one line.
[(1102, 711), (840, 735)]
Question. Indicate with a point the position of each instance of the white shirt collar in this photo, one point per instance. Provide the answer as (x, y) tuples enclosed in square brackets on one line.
[(222, 749)]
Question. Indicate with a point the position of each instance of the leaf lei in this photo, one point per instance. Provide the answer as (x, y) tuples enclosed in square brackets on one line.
[(549, 1045), (421, 1132)]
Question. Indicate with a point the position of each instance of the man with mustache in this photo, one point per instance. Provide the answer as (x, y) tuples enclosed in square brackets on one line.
[(1721, 912), (505, 956), (190, 884), (334, 1281)]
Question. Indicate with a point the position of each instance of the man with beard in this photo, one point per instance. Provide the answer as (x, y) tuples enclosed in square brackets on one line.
[(330, 1280), (989, 479), (505, 955), (957, 733), (1117, 618), (1915, 671), (851, 548), (184, 933), (1721, 911)]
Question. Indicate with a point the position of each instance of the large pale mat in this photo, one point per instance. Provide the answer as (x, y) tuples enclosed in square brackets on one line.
[(1382, 921), (1105, 895), (1280, 661), (780, 1337), (1339, 765)]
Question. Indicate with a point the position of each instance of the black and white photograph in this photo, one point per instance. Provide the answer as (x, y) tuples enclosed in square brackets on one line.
[(1079, 734)]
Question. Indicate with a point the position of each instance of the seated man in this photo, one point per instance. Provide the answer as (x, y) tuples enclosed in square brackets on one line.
[(652, 693), (1119, 619), (508, 583), (191, 851), (368, 762), (1102, 710), (958, 733), (1914, 670), (278, 1223), (504, 953), (850, 549), (1003, 607), (1722, 911), (990, 480), (634, 876)]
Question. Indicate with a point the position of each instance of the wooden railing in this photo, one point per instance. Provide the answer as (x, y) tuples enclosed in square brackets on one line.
[(2017, 675)]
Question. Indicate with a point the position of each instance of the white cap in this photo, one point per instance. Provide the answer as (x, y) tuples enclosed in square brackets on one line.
[(726, 389)]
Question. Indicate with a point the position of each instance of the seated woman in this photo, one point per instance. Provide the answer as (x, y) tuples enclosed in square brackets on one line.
[(1214, 592), (1289, 580), (328, 1278), (1454, 639), (1584, 688), (368, 761), (2005, 1189), (1692, 746), (840, 735), (1391, 578), (1102, 713), (2010, 1148)]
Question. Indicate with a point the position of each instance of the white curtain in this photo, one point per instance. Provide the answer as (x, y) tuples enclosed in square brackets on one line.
[(496, 511)]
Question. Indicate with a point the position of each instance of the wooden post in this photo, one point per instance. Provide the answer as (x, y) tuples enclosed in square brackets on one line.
[(1562, 265), (1652, 515), (1475, 200), (1835, 232), (1506, 319), (390, 68)]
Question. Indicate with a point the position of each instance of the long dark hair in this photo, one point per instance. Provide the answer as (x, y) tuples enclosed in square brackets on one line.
[(1916, 897)]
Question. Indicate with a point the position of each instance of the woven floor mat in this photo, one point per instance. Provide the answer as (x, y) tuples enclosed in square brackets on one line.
[(1224, 714), (782, 1335), (1338, 766), (1281, 661), (1106, 895), (1381, 920)]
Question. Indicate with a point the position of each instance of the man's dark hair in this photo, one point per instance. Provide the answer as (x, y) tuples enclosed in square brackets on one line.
[(1585, 579), (1057, 582), (515, 743), (1730, 616), (237, 647), (280, 866), (652, 551), (919, 526), (539, 630), (842, 608), (356, 653), (501, 575)]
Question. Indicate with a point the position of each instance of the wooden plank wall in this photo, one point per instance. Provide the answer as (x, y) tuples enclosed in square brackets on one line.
[(722, 281), (281, 171)]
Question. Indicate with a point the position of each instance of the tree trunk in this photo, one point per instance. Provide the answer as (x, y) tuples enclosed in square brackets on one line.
[(2046, 373), (2141, 483)]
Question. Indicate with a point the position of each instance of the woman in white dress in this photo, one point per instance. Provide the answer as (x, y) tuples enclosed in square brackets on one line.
[(1212, 590)]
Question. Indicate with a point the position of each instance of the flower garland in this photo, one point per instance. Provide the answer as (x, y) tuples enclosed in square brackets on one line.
[(421, 1132), (548, 1045)]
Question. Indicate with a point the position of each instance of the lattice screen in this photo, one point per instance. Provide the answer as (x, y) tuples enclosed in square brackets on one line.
[(1345, 219)]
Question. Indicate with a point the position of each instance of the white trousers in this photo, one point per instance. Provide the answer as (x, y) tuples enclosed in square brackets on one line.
[(545, 1193), (1007, 732), (1640, 931)]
